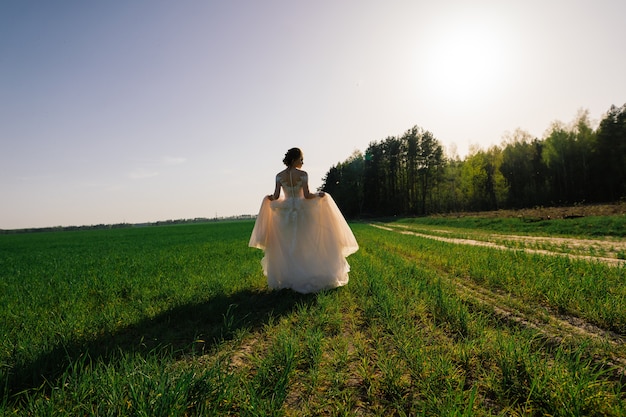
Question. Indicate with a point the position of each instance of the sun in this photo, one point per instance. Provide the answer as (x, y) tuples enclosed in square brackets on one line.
[(464, 62)]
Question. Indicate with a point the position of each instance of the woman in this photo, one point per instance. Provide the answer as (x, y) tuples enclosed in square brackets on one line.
[(304, 235)]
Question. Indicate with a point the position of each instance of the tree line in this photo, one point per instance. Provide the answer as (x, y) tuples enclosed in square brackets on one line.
[(412, 175)]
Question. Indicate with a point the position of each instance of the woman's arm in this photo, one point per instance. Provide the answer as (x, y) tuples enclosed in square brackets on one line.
[(305, 189), (276, 191)]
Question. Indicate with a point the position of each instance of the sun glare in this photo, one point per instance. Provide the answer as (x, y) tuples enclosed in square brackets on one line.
[(464, 61)]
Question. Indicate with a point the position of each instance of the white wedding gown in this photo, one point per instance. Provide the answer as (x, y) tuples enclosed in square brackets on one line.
[(305, 241)]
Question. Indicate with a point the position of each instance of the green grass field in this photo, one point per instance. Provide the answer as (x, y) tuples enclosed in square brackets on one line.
[(177, 320)]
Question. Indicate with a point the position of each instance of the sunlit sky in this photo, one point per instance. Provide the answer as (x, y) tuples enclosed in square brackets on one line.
[(146, 110)]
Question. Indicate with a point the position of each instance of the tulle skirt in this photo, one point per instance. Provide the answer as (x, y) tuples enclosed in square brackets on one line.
[(305, 241)]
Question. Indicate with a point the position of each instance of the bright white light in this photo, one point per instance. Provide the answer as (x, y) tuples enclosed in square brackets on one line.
[(465, 61)]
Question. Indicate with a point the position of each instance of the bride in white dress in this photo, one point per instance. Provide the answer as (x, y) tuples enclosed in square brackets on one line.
[(304, 235)]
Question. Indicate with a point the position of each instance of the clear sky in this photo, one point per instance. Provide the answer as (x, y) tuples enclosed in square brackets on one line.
[(145, 110)]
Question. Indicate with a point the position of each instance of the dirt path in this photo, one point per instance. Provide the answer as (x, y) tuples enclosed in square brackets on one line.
[(555, 327), (609, 246)]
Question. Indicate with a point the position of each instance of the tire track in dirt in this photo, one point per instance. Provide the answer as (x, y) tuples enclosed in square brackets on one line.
[(472, 242), (556, 328)]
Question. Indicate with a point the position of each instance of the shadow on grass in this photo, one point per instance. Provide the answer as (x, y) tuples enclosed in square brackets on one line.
[(184, 330)]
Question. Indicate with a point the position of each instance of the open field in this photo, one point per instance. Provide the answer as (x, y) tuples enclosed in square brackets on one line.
[(543, 213), (457, 315)]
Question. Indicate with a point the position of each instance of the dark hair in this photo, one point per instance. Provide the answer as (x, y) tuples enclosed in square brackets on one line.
[(291, 155)]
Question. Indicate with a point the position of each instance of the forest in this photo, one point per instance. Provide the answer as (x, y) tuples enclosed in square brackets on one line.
[(411, 175)]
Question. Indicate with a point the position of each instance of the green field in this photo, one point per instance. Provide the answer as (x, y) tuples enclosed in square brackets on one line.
[(177, 320)]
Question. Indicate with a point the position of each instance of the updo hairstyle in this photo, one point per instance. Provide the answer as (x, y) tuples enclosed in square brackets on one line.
[(291, 155)]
